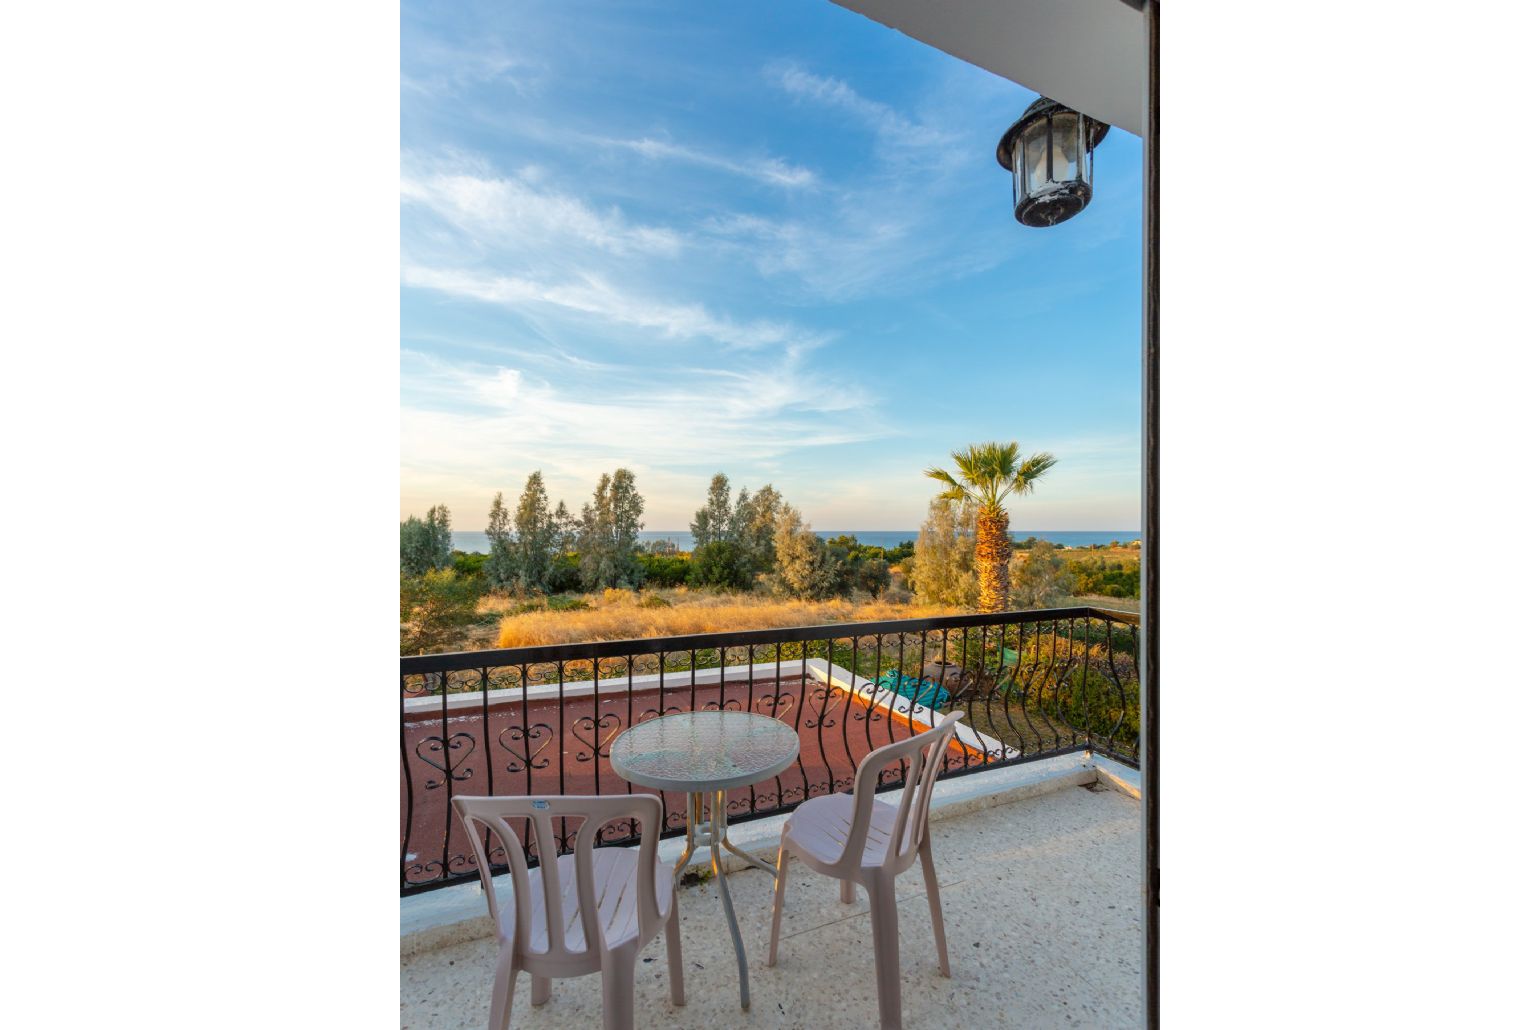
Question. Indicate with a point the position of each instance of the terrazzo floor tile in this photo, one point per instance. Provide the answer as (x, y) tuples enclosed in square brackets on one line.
[(1043, 920)]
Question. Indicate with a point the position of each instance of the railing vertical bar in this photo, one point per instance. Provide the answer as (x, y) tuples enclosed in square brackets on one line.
[(748, 707), (871, 707), (561, 743), (775, 708), (631, 721), (823, 708), (449, 767), (598, 729), (529, 758), (411, 789), (486, 743), (855, 661), (801, 701)]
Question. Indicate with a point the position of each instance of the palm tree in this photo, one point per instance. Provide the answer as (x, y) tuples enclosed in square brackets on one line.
[(989, 474)]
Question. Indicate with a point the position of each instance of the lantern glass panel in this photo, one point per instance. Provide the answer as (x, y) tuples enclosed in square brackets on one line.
[(1036, 136), (1066, 147)]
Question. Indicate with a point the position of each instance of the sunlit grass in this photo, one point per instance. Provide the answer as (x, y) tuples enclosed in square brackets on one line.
[(621, 615)]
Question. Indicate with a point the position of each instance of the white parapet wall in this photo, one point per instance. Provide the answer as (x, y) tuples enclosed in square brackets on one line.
[(916, 714)]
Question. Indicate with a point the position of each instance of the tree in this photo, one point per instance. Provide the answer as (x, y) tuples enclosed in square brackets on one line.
[(1038, 576), (435, 607), (989, 474), (804, 567), (607, 537), (538, 538), (714, 522), (499, 568), (942, 570), (565, 528), (755, 520), (426, 543)]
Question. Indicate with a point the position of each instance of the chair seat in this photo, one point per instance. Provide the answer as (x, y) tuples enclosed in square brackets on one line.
[(818, 829), (614, 894)]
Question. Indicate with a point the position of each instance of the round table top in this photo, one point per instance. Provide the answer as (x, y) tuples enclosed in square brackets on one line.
[(701, 751)]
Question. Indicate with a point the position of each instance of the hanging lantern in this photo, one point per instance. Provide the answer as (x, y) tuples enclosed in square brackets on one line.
[(1048, 153)]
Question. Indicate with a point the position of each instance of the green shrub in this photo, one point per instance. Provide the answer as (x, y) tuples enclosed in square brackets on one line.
[(664, 570), (720, 563), (566, 573), (565, 603), (435, 608), (656, 601), (470, 564)]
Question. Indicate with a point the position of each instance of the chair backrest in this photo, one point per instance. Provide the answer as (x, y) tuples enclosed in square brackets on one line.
[(926, 754), (506, 817)]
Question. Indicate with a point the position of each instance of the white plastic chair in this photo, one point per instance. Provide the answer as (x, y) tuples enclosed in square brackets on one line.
[(595, 914), (852, 838)]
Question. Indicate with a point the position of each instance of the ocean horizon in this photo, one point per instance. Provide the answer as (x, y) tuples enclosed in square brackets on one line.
[(475, 541)]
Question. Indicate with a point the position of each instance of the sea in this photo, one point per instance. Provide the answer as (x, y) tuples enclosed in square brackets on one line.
[(475, 541)]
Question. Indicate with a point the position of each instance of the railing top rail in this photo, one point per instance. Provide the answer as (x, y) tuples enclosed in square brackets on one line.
[(455, 661)]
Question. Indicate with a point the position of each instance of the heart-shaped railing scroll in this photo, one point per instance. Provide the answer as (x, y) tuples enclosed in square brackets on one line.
[(459, 742)]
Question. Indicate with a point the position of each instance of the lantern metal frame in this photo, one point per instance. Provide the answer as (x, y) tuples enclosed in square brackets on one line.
[(1054, 201)]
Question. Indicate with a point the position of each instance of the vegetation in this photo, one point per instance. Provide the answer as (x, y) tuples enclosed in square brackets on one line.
[(435, 609), (426, 543), (1103, 577), (660, 569), (499, 568), (1039, 577), (632, 615), (804, 568), (942, 571), (859, 568), (606, 541), (989, 474), (756, 563)]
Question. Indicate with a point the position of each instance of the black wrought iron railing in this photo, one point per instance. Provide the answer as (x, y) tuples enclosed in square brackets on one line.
[(540, 720)]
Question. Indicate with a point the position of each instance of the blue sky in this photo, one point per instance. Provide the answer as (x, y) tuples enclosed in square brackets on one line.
[(769, 240)]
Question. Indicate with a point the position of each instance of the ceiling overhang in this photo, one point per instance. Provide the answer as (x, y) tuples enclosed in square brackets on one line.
[(1086, 54)]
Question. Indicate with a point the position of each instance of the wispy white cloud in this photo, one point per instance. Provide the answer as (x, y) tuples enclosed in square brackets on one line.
[(502, 210), (772, 170), (484, 427), (594, 296), (896, 129)]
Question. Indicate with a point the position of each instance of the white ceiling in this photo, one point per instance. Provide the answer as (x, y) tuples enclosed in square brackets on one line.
[(1088, 54)]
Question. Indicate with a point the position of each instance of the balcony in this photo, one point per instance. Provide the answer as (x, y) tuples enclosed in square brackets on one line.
[(1036, 822)]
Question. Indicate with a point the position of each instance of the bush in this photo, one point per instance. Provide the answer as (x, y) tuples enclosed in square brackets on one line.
[(435, 609), (566, 603), (664, 570), (656, 601), (566, 574), (470, 565), (720, 563)]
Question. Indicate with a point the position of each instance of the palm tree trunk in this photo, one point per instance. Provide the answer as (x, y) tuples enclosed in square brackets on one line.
[(992, 555)]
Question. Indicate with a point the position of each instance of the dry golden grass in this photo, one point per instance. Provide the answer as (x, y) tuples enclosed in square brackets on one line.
[(626, 618)]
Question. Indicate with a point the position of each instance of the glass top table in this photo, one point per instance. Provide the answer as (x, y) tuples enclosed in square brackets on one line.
[(704, 755)]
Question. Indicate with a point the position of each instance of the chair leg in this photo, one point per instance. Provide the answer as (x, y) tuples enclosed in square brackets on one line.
[(502, 989), (618, 971), (847, 892), (539, 991), (933, 889), (885, 943), (675, 956), (782, 861)]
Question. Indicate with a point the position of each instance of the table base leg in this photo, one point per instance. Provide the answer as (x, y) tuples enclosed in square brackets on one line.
[(718, 837)]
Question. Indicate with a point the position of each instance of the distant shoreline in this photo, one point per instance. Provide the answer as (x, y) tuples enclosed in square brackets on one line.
[(475, 541)]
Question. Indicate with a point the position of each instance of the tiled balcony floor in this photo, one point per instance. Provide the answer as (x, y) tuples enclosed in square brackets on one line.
[(1043, 914)]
